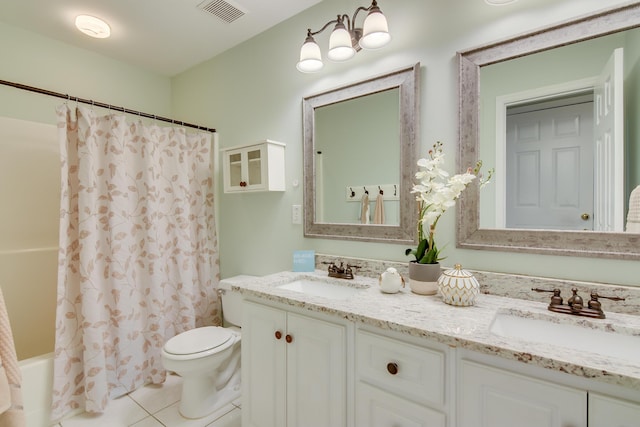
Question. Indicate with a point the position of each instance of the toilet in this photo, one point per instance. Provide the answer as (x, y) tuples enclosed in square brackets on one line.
[(208, 359)]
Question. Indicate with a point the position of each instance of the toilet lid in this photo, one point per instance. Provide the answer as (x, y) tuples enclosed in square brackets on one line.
[(198, 340)]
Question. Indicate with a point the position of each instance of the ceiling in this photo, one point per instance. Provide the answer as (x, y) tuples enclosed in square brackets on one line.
[(162, 36)]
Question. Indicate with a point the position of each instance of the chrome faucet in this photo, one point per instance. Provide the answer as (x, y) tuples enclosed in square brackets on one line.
[(575, 303)]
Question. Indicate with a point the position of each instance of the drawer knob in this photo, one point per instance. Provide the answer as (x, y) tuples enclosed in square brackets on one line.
[(278, 335), (288, 338), (392, 367)]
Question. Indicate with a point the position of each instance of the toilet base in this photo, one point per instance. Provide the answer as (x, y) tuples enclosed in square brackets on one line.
[(203, 394), (193, 406)]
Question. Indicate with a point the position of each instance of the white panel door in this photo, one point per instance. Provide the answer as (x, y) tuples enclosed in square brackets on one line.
[(491, 397), (609, 141), (264, 364), (316, 373), (550, 168)]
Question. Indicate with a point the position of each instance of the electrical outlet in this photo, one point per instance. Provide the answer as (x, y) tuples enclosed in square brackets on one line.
[(296, 214)]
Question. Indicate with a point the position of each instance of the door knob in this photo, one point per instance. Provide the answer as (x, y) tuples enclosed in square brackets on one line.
[(288, 338), (585, 216), (278, 335)]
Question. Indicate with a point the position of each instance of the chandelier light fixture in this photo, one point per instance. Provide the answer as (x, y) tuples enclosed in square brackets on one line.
[(345, 40)]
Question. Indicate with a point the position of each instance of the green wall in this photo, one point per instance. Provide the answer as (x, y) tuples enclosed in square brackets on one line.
[(254, 91), (33, 60), (359, 144)]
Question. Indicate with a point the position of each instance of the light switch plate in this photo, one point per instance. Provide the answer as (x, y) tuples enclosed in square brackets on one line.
[(296, 214)]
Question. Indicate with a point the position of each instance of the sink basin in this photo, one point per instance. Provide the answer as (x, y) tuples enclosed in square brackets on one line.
[(322, 289), (580, 335)]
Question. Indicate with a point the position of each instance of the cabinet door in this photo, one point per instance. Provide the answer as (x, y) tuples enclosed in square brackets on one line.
[(491, 397), (606, 411), (376, 408), (263, 366), (316, 373), (233, 168), (256, 167)]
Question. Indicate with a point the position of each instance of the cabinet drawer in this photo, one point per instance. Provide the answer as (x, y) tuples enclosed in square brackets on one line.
[(414, 372), (376, 408)]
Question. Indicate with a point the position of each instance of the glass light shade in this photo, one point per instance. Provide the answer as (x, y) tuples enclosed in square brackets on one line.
[(375, 31), (93, 27), (310, 57), (340, 48)]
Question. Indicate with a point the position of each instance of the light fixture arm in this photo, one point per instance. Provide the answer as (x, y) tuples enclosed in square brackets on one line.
[(351, 23), (347, 39)]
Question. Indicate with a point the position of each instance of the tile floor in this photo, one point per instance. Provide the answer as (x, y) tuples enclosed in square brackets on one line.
[(154, 406)]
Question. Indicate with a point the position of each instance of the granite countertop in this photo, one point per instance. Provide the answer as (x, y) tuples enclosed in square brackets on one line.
[(465, 327)]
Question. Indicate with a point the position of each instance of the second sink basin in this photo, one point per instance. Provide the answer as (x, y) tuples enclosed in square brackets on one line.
[(582, 335), (322, 289)]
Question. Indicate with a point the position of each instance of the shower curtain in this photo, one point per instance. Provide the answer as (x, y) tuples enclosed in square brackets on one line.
[(138, 260)]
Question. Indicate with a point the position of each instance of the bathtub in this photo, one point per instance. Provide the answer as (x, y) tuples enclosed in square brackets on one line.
[(37, 384)]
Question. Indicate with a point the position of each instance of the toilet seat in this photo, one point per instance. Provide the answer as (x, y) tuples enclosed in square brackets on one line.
[(198, 340)]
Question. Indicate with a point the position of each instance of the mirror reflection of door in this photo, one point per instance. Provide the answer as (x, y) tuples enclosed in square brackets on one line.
[(565, 158), (609, 141), (550, 164)]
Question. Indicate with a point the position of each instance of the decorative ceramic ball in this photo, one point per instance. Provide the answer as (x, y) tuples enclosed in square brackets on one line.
[(458, 287)]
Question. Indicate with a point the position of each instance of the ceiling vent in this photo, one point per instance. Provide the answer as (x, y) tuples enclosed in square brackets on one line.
[(222, 9)]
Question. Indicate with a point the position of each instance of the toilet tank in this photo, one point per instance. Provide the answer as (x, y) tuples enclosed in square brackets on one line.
[(232, 301)]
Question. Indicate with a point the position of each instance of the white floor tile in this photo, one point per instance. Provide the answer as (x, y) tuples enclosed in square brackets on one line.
[(148, 422), (238, 402), (154, 398), (171, 417), (230, 419), (120, 412)]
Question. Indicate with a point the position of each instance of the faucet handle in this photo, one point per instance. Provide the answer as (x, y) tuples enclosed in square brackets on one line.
[(595, 296), (595, 304), (545, 290), (556, 299)]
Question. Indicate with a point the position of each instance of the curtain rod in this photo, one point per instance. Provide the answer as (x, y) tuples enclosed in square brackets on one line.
[(103, 105)]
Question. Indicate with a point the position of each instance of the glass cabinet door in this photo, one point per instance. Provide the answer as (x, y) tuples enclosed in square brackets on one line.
[(254, 159), (235, 169)]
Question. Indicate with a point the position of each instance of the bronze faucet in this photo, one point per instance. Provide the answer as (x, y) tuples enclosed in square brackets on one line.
[(575, 304), (341, 272)]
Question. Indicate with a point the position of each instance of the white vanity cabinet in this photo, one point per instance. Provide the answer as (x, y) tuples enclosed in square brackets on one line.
[(605, 411), (493, 397), (294, 369), (257, 167), (398, 383)]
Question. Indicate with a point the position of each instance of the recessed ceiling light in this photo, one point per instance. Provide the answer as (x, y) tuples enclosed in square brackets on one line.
[(499, 2), (92, 26)]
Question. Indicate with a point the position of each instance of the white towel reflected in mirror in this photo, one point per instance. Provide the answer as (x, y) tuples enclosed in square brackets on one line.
[(378, 212), (364, 209), (633, 216)]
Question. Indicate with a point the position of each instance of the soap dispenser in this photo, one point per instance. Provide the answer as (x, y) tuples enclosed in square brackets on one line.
[(391, 281)]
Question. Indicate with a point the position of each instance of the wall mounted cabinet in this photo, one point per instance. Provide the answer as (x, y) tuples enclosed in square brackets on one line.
[(255, 167)]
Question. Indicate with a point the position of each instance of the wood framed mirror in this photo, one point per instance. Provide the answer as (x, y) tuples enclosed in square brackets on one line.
[(358, 136), (470, 234)]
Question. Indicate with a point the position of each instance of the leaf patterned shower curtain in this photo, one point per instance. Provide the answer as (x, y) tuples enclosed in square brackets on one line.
[(138, 259)]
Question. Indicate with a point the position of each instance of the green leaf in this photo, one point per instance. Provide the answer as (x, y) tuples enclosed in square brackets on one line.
[(422, 247)]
